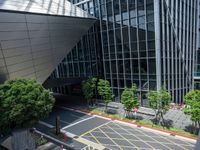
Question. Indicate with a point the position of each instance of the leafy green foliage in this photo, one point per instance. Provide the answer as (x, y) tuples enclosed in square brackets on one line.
[(39, 140), (192, 99), (129, 98), (23, 102), (105, 91), (159, 101), (88, 87)]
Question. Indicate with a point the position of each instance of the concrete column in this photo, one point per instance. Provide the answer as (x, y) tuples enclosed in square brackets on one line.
[(157, 42)]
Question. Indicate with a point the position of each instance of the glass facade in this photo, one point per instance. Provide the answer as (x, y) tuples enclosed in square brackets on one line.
[(197, 63), (147, 42), (178, 45), (84, 60), (128, 44)]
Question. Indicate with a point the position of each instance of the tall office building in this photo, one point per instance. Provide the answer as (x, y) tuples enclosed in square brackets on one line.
[(151, 43), (197, 62)]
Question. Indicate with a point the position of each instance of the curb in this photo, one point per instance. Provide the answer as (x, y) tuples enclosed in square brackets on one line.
[(141, 125)]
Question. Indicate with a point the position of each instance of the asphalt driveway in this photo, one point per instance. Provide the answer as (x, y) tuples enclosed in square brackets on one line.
[(103, 133)]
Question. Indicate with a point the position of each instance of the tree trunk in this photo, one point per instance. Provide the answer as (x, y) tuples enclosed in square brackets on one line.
[(163, 121), (157, 121), (128, 114), (22, 140), (199, 124), (88, 103)]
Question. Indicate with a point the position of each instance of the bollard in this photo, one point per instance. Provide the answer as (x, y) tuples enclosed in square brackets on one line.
[(62, 147), (65, 136)]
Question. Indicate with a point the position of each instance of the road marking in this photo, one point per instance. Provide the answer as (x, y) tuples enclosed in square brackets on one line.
[(111, 139), (121, 136), (78, 122), (94, 128), (64, 122), (46, 124), (155, 131), (94, 137), (71, 109), (154, 139), (90, 143), (129, 124), (102, 117), (135, 128), (70, 135)]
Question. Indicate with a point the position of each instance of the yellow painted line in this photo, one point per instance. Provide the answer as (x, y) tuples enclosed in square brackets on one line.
[(111, 139), (95, 138), (136, 136), (90, 143), (125, 146), (94, 129), (122, 138)]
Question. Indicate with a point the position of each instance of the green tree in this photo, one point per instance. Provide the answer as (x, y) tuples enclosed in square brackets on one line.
[(130, 99), (23, 102), (88, 88), (159, 101), (192, 99), (105, 91)]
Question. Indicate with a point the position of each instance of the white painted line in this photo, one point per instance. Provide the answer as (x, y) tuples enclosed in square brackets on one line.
[(70, 109), (152, 130), (64, 122), (102, 117), (70, 135), (125, 123), (155, 131), (78, 122), (66, 108), (185, 138), (90, 143), (46, 124)]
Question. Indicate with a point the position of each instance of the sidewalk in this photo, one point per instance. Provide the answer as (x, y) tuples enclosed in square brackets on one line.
[(175, 117)]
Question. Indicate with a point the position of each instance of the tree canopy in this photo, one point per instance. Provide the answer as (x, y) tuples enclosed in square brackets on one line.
[(88, 87), (105, 91), (23, 102), (159, 101), (129, 98), (192, 99)]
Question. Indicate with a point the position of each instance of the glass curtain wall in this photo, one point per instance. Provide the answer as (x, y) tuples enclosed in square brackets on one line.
[(178, 44), (83, 61), (121, 46), (197, 63), (128, 44)]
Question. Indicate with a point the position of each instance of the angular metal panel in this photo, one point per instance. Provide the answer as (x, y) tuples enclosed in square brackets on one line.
[(53, 7), (33, 45)]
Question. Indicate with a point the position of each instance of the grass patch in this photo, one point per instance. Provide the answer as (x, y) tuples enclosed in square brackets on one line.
[(148, 123), (39, 140)]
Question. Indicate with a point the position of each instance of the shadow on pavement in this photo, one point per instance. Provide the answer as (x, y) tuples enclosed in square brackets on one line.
[(70, 101)]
